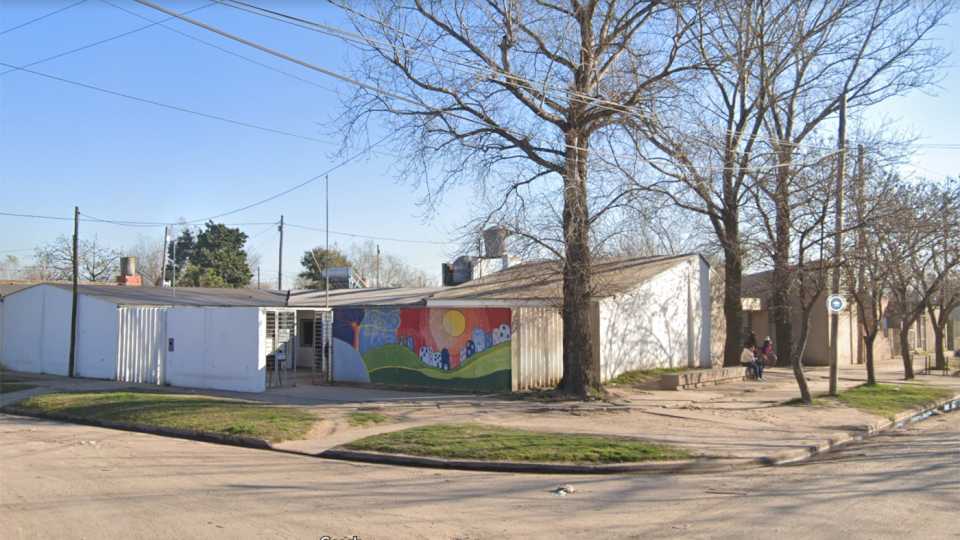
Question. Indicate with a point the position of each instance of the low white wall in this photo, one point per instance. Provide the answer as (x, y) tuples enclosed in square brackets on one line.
[(664, 322), (216, 347), (36, 330)]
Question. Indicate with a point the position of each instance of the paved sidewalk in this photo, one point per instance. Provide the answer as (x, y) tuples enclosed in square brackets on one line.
[(742, 420)]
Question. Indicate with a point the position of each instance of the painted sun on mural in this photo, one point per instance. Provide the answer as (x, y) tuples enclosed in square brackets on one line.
[(463, 349)]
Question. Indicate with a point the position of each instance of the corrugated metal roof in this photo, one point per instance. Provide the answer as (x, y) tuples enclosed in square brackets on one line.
[(363, 297), (182, 296), (539, 281), (10, 287), (544, 280)]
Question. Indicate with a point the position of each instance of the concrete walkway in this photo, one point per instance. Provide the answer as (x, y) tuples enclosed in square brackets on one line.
[(742, 420)]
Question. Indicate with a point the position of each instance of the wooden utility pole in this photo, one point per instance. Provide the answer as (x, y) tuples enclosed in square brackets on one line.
[(378, 265), (837, 241), (280, 258), (258, 276), (166, 254), (861, 243), (71, 367)]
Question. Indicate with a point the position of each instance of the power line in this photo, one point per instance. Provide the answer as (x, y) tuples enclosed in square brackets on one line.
[(369, 237), (100, 42), (464, 66), (372, 88), (42, 17), (164, 105), (212, 45)]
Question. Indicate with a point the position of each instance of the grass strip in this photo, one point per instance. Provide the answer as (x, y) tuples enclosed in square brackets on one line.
[(362, 419), (484, 442), (888, 400), (195, 413)]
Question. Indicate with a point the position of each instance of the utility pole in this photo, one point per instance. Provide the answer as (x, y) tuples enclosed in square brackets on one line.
[(326, 272), (258, 276), (163, 266), (173, 265), (71, 368), (378, 266), (861, 243), (837, 241), (280, 258)]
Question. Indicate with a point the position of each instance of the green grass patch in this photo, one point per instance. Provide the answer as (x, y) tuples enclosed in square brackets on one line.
[(8, 387), (195, 413), (363, 419), (888, 400), (641, 376), (483, 442)]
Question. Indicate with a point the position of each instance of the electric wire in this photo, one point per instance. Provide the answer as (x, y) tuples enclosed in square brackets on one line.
[(40, 18)]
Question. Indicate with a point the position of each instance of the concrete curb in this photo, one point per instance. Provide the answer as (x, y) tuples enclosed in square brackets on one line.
[(702, 465), (200, 436)]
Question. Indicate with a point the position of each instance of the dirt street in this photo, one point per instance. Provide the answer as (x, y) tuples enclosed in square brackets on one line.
[(67, 481)]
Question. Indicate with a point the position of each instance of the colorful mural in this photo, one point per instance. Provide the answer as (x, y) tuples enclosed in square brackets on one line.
[(457, 349)]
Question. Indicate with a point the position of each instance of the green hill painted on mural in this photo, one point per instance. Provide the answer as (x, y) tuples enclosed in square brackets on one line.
[(391, 356), (485, 371)]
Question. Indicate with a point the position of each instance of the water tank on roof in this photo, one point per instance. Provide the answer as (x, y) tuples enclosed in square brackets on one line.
[(128, 266), (495, 242)]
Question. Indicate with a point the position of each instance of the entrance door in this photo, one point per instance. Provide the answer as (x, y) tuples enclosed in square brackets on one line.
[(142, 344)]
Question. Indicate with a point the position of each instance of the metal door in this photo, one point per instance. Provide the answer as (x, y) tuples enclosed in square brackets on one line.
[(142, 344)]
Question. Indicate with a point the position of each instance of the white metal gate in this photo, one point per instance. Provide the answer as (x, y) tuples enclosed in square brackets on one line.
[(323, 346), (280, 335), (142, 342)]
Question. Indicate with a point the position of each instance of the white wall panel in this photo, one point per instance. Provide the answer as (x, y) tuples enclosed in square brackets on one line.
[(216, 348), (96, 338), (36, 330), (662, 323)]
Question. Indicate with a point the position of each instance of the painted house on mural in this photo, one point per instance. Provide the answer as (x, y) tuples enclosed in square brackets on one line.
[(498, 333)]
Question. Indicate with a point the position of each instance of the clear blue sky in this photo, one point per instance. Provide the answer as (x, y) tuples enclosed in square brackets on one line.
[(62, 145)]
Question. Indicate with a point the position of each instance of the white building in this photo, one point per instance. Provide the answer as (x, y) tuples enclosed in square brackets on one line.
[(498, 333)]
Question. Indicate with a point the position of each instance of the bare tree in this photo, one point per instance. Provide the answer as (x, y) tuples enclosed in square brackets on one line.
[(911, 248), (946, 298), (382, 269), (861, 51), (54, 261), (10, 267), (510, 95), (712, 138), (149, 253)]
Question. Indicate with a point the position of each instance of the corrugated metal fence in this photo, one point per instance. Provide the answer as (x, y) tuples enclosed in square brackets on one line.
[(536, 348), (142, 344)]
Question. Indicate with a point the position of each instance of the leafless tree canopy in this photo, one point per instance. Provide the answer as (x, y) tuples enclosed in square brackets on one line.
[(54, 261)]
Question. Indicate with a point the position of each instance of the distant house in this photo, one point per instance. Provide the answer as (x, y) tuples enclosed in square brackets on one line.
[(758, 319), (498, 333)]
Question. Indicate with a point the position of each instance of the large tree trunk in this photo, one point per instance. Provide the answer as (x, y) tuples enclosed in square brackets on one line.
[(780, 299), (732, 306), (580, 369), (938, 330), (868, 340), (905, 352)]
